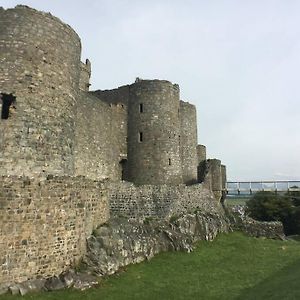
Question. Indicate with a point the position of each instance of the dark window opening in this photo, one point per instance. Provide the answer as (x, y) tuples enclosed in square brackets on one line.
[(123, 164), (140, 137), (169, 161), (7, 101), (141, 108)]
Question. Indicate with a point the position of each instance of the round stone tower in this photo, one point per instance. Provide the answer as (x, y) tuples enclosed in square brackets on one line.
[(153, 133), (40, 66), (188, 142), (216, 177)]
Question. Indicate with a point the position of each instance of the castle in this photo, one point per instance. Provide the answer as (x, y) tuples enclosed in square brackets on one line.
[(71, 157)]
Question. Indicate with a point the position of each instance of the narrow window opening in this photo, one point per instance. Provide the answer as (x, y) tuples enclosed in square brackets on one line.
[(141, 108), (170, 162), (140, 137), (7, 101)]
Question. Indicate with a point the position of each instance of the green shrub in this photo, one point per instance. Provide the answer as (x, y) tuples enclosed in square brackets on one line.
[(269, 206), (295, 197), (292, 224)]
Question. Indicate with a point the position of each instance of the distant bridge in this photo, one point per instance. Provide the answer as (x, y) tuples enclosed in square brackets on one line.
[(251, 187)]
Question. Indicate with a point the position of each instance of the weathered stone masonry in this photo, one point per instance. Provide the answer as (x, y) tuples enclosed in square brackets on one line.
[(59, 142), (160, 201), (45, 223), (141, 132), (40, 64)]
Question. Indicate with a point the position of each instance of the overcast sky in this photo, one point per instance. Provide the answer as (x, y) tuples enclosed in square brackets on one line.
[(237, 61)]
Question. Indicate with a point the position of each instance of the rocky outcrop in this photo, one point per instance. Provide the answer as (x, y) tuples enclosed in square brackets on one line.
[(121, 242)]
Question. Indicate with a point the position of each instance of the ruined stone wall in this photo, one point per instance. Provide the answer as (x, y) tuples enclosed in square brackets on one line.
[(153, 133), (44, 224), (40, 64), (161, 201), (101, 131), (188, 142), (119, 119), (214, 177)]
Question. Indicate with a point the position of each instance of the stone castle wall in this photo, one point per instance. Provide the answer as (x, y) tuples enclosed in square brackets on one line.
[(40, 64), (153, 133), (114, 96), (101, 131), (161, 201), (44, 224), (188, 142), (85, 75), (213, 177), (139, 132), (163, 133)]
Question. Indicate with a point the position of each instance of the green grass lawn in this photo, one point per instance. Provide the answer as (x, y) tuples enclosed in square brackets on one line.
[(233, 266)]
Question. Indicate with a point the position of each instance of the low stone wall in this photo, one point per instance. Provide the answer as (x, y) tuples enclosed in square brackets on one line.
[(241, 222), (161, 201), (270, 230), (44, 224)]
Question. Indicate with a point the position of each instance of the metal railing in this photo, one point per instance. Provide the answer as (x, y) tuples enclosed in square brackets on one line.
[(250, 187)]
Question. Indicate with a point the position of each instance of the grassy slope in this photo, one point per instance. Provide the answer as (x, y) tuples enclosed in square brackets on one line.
[(231, 267)]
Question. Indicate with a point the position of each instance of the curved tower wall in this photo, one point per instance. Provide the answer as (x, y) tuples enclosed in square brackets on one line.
[(40, 64), (188, 142), (153, 133), (216, 177)]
